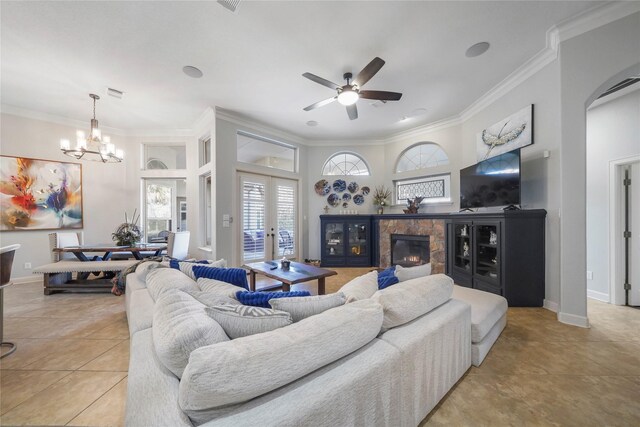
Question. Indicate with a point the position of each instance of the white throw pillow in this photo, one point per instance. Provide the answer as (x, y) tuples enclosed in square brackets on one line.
[(181, 325), (242, 320), (409, 300), (187, 267), (219, 287), (361, 287), (210, 299), (408, 273), (162, 279), (233, 372), (302, 307)]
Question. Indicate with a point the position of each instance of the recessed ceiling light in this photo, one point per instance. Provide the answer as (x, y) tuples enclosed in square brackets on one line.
[(477, 49), (192, 71), (312, 123)]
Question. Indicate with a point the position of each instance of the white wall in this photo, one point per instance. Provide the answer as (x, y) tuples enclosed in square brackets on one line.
[(105, 193), (613, 132)]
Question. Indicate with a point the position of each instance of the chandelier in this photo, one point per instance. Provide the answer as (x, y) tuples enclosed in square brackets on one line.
[(95, 146)]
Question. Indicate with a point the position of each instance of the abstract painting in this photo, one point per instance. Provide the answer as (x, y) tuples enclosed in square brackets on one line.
[(39, 194), (512, 133)]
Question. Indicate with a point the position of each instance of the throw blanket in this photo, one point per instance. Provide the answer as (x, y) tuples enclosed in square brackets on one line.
[(120, 280)]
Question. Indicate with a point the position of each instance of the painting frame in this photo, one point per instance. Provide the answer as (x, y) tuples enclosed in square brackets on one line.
[(511, 133), (40, 194)]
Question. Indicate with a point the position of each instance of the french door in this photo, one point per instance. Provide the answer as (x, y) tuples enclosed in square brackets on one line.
[(269, 218)]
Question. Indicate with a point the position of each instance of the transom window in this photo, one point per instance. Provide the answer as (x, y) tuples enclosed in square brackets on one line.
[(421, 156), (345, 164), (434, 189)]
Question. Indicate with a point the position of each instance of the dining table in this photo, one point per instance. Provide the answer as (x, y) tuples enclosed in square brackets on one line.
[(138, 251)]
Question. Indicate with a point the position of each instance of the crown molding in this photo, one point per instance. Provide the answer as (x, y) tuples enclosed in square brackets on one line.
[(419, 131), (82, 124), (595, 17), (345, 142), (207, 116), (233, 117)]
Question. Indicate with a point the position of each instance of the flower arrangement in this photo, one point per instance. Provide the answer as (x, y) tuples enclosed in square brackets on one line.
[(128, 233), (380, 195)]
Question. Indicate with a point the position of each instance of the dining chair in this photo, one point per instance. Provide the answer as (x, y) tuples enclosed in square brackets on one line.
[(178, 244), (62, 240), (6, 263)]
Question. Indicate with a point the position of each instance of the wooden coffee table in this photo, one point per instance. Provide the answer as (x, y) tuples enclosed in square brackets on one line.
[(297, 273)]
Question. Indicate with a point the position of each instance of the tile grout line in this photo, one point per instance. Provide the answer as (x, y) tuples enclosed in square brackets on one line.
[(99, 397)]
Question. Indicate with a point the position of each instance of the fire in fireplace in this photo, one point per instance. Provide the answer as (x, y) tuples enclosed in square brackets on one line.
[(409, 250)]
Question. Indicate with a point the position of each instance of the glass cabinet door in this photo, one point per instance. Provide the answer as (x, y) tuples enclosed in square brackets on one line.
[(487, 262), (462, 246), (334, 239), (358, 239)]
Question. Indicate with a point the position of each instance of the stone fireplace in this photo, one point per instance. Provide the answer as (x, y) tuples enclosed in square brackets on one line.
[(417, 229), (408, 250)]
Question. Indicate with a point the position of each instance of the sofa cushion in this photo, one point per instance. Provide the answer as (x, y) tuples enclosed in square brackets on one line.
[(162, 279), (303, 307), (362, 287), (235, 276), (186, 266), (181, 325), (387, 278), (242, 320), (407, 273), (411, 299), (217, 287), (486, 309), (236, 371), (146, 266), (261, 299), (210, 299)]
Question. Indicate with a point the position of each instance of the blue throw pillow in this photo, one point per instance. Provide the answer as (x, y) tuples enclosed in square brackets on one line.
[(387, 278), (261, 299), (235, 276)]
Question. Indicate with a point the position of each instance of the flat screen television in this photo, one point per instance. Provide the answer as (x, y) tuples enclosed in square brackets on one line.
[(492, 182)]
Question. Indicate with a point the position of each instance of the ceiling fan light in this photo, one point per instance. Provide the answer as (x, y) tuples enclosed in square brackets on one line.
[(348, 97)]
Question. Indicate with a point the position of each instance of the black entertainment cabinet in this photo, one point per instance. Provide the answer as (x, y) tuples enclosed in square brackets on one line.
[(499, 252), (345, 240)]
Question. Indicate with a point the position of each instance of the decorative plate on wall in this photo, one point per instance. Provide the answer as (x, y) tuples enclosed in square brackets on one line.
[(346, 197), (365, 190), (322, 187), (358, 199), (353, 187), (339, 185), (333, 200)]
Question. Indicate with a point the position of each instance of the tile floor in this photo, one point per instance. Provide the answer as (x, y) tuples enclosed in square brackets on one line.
[(73, 351)]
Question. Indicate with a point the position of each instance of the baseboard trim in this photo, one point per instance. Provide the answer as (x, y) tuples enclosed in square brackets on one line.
[(27, 279), (574, 320), (600, 296), (550, 305)]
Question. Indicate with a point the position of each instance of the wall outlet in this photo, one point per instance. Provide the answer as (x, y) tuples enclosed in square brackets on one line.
[(589, 275), (27, 266)]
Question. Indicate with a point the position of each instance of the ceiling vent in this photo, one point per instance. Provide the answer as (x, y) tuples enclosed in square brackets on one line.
[(115, 93), (232, 5)]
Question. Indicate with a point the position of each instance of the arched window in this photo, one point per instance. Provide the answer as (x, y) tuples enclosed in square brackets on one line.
[(345, 164), (421, 156)]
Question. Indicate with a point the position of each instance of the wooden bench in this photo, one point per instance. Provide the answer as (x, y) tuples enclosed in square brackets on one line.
[(58, 276)]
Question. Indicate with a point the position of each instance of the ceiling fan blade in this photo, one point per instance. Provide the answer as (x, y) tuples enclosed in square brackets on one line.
[(380, 94), (352, 111), (369, 71), (320, 80), (320, 103)]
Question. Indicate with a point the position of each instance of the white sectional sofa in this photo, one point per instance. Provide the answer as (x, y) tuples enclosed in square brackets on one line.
[(395, 379)]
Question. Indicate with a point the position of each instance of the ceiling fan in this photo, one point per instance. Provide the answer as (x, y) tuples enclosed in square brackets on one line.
[(349, 94)]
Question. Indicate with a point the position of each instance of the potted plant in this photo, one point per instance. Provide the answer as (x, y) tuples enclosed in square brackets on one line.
[(128, 233), (380, 196)]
